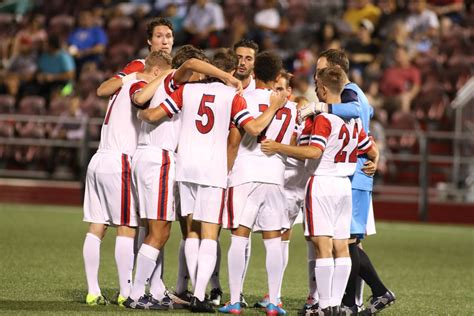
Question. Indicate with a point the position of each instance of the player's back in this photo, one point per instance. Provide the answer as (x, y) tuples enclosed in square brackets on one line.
[(251, 164), (205, 121), (165, 134), (340, 141), (120, 127)]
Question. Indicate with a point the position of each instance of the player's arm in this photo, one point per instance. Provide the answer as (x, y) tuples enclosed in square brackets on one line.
[(271, 147), (233, 142), (168, 108), (370, 166), (185, 71), (256, 126), (147, 92), (129, 73), (349, 107)]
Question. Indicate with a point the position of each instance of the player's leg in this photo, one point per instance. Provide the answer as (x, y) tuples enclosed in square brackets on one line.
[(324, 269), (273, 263), (342, 270), (124, 259), (91, 255), (285, 246), (216, 290), (236, 261)]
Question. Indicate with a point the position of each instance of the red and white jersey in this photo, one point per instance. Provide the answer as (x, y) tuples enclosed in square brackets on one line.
[(250, 87), (164, 135), (136, 65), (121, 126), (341, 141), (251, 164), (207, 110)]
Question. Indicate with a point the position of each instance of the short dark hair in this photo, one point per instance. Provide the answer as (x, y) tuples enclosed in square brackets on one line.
[(267, 66), (150, 27), (336, 57), (332, 78), (186, 52), (285, 74), (246, 43), (225, 59)]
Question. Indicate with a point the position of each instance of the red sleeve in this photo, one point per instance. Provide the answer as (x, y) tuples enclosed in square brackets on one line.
[(136, 65), (320, 132), (169, 84), (364, 142), (239, 113), (134, 88), (174, 103)]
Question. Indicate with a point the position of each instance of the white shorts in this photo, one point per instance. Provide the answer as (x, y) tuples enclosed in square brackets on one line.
[(108, 197), (259, 206), (205, 203), (294, 202), (328, 207), (370, 228), (154, 172)]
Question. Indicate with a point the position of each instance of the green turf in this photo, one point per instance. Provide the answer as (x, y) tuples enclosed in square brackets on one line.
[(429, 267)]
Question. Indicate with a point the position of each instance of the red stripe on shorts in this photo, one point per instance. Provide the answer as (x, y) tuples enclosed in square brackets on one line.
[(222, 207), (230, 207), (162, 209), (309, 207), (126, 192)]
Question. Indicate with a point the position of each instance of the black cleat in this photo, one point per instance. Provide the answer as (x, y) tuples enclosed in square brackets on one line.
[(144, 302), (348, 311), (169, 303), (243, 302), (336, 311), (376, 304), (183, 298), (198, 306), (307, 309), (215, 297)]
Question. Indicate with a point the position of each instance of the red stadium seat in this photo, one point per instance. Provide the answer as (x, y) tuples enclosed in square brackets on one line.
[(119, 29), (32, 105), (7, 103)]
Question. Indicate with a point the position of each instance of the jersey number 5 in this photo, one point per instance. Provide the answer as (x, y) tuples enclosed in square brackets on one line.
[(342, 154), (279, 116), (207, 111)]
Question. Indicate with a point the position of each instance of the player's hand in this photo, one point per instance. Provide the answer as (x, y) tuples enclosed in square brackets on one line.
[(311, 109), (269, 146), (369, 168), (234, 82), (279, 98)]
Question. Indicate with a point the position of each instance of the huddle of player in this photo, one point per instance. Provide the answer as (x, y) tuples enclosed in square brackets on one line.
[(220, 144)]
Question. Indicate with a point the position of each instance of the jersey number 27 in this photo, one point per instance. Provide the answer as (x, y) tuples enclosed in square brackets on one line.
[(342, 153)]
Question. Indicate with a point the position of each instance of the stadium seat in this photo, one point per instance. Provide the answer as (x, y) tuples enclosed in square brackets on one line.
[(119, 29), (7, 103), (32, 105), (61, 25), (118, 56)]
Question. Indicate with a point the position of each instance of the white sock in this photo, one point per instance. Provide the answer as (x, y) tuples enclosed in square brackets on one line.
[(274, 265), (342, 270), (236, 264), (142, 231), (215, 282), (124, 258), (91, 254), (157, 287), (182, 280), (206, 264), (324, 271), (285, 244), (248, 251), (191, 250), (146, 263), (359, 292), (311, 266)]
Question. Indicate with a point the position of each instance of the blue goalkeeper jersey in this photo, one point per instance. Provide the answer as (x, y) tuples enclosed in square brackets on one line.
[(355, 104)]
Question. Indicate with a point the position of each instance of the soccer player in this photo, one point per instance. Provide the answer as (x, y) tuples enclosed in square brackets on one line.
[(334, 146), (255, 194), (108, 200), (159, 38), (155, 156), (201, 164), (362, 183)]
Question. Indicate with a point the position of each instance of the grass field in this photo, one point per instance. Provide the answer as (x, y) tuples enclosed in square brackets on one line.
[(429, 267)]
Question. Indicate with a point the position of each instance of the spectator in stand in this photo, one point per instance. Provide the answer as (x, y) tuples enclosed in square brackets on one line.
[(56, 67), (267, 20), (328, 33), (362, 50), (21, 69), (88, 41), (452, 9), (422, 24), (402, 80), (172, 14), (357, 10), (204, 23), (33, 32), (398, 36), (303, 88)]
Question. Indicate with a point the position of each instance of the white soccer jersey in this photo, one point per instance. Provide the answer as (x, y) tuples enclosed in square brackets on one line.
[(164, 135), (251, 164), (120, 127), (341, 141), (250, 87), (207, 110)]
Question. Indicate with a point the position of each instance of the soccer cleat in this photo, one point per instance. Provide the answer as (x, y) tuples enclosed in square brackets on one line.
[(308, 305), (348, 311), (144, 302), (336, 310), (229, 308), (266, 300), (121, 300), (273, 310), (215, 297), (243, 302), (169, 303), (379, 303), (183, 298), (94, 300), (198, 306)]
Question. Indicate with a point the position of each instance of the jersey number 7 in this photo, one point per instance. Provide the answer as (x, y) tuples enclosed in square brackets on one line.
[(279, 116), (342, 154), (207, 111)]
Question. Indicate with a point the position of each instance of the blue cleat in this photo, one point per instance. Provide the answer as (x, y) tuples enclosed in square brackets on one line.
[(273, 310), (229, 308)]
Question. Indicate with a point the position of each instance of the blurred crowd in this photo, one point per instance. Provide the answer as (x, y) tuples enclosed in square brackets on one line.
[(410, 57)]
